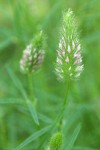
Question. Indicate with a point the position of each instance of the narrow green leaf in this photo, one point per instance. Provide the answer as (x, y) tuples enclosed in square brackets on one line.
[(17, 82), (69, 144), (10, 101), (71, 119), (33, 112), (20, 87), (83, 148), (33, 137), (45, 118)]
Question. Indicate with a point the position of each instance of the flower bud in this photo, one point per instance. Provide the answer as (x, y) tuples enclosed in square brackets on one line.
[(55, 141), (69, 61), (33, 55)]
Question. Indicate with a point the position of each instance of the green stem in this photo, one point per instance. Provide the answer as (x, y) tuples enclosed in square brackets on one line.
[(59, 118), (31, 101), (64, 103), (30, 82), (66, 96)]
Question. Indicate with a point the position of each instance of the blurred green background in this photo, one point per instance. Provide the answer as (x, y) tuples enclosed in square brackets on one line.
[(19, 22)]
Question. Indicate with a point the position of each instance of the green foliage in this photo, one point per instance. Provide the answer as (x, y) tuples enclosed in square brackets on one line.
[(20, 87), (21, 126), (69, 143), (32, 138)]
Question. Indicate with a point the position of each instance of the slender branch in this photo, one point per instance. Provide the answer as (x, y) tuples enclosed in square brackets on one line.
[(30, 82), (66, 96), (58, 120), (64, 103)]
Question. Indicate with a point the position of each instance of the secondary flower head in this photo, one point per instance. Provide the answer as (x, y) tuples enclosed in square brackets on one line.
[(69, 61), (33, 55), (56, 141)]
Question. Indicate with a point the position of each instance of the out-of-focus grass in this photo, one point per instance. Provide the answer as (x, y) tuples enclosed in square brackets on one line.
[(19, 21)]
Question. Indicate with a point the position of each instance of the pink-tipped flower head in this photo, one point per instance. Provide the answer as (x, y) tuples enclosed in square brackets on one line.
[(69, 60), (33, 55)]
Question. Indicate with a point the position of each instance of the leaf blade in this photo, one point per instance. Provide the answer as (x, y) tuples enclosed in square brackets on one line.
[(33, 137), (69, 144)]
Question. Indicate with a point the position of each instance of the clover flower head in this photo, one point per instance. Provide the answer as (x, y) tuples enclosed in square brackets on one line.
[(69, 60), (33, 55), (56, 141)]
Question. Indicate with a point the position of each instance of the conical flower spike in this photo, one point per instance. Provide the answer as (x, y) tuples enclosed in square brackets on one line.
[(69, 61), (33, 55)]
